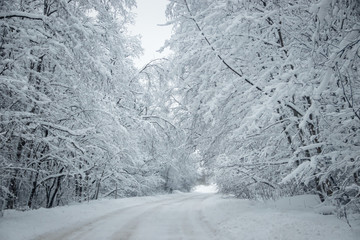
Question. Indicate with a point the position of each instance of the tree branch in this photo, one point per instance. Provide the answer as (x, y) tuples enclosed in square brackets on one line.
[(19, 14), (240, 74), (350, 103)]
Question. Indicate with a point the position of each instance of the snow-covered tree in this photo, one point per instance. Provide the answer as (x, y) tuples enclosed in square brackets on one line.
[(72, 120), (176, 164), (60, 60), (270, 91)]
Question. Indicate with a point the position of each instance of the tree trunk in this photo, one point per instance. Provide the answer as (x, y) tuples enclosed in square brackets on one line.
[(57, 187), (11, 200), (33, 191)]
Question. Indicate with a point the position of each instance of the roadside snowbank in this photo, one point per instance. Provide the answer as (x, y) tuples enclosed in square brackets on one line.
[(288, 218)]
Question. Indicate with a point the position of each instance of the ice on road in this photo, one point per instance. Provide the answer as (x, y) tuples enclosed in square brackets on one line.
[(178, 216)]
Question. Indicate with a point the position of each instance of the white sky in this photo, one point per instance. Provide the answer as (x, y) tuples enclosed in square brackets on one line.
[(151, 13)]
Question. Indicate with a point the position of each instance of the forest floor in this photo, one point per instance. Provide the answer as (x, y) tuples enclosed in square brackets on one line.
[(179, 216)]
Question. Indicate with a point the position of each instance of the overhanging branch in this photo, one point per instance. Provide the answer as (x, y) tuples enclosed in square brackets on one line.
[(19, 14), (217, 54), (238, 73)]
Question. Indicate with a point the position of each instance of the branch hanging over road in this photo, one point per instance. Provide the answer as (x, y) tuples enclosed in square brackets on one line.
[(19, 14), (240, 74)]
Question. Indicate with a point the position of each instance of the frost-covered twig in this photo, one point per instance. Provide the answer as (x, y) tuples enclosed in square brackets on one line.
[(351, 103)]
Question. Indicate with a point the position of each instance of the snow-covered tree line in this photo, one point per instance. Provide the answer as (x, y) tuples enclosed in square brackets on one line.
[(77, 121), (270, 94), (266, 92)]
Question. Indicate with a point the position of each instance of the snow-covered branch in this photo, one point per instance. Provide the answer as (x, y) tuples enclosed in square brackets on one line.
[(19, 14)]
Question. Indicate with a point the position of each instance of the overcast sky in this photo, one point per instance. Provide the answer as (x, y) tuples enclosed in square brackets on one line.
[(151, 13)]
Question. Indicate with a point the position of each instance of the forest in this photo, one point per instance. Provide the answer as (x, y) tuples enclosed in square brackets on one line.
[(260, 97)]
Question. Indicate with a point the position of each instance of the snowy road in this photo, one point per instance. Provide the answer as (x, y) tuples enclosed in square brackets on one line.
[(184, 216), (179, 218)]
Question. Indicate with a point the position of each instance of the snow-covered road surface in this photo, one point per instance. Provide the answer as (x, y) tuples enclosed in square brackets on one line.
[(174, 218), (178, 216)]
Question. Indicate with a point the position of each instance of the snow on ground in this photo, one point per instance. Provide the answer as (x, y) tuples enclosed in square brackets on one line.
[(179, 216), (288, 218), (17, 225)]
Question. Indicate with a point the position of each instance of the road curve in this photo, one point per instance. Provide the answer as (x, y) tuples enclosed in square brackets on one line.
[(167, 219)]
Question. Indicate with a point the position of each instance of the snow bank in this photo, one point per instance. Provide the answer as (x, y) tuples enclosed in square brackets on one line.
[(301, 202), (288, 218)]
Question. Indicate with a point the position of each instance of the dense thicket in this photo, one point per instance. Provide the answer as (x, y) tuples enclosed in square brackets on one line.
[(270, 94), (76, 122)]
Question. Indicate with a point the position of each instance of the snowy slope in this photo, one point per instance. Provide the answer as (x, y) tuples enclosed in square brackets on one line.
[(178, 216)]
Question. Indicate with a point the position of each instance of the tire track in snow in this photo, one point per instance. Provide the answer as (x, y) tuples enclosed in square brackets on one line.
[(77, 231), (197, 222), (210, 226), (130, 229)]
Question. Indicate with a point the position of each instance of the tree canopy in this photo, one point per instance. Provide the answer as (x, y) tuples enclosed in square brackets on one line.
[(261, 97), (270, 92)]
